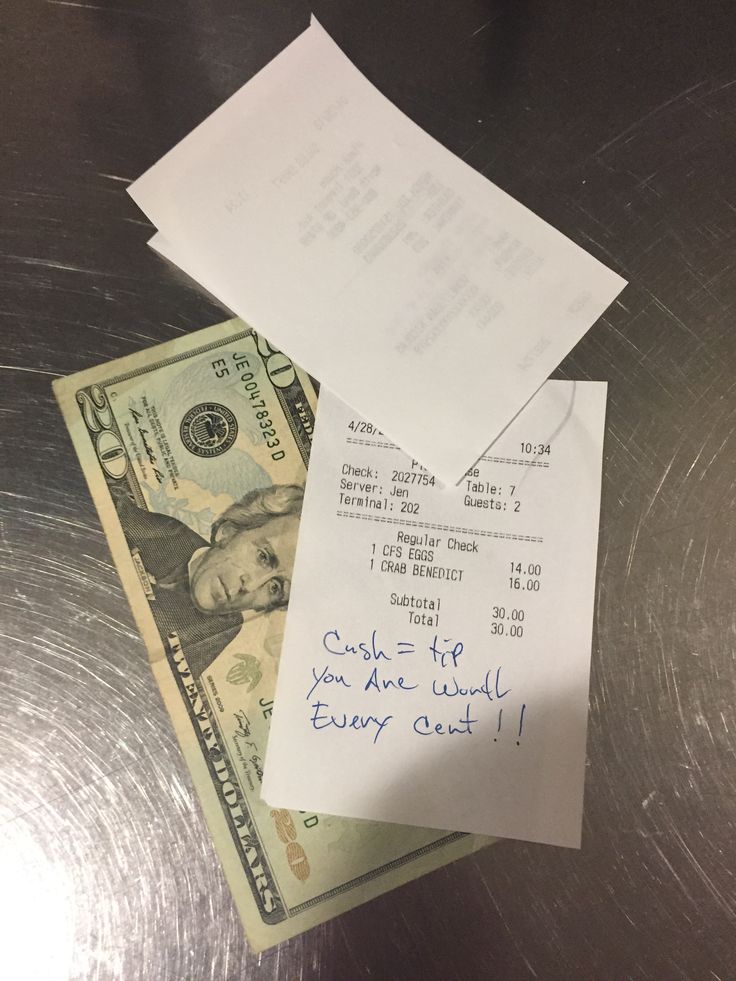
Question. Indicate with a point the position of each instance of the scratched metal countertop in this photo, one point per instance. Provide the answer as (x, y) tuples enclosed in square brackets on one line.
[(616, 122)]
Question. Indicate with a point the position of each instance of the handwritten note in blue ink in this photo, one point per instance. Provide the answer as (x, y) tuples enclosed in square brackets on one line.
[(437, 649)]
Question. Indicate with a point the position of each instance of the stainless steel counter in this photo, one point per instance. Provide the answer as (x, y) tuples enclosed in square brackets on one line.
[(616, 123)]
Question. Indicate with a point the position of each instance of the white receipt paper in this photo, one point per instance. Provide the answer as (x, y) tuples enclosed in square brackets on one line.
[(416, 290), (435, 665)]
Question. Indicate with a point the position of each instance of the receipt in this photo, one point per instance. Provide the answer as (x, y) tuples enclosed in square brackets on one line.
[(416, 290), (436, 659)]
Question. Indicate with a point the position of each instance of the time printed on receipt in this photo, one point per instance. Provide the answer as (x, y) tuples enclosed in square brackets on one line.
[(437, 650)]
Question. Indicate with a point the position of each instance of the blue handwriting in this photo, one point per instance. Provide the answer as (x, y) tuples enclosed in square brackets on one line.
[(332, 643), (327, 678), (382, 684), (424, 727), (441, 656), (490, 689), (340, 721)]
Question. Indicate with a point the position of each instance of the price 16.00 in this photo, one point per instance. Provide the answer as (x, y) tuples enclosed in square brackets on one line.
[(525, 577)]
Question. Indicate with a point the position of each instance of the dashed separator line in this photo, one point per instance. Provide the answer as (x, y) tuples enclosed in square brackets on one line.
[(370, 442), (509, 459), (488, 459), (438, 527)]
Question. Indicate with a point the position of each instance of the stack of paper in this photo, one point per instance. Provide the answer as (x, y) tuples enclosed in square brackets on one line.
[(436, 651), (413, 288)]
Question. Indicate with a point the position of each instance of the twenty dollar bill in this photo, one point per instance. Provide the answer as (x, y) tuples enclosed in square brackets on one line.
[(196, 454)]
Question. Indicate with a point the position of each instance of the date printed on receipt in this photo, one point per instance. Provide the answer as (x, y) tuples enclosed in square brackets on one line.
[(437, 651)]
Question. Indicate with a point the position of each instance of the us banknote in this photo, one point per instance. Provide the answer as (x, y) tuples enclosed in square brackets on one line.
[(196, 454)]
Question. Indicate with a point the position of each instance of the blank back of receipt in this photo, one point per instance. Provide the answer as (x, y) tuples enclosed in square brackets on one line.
[(419, 292)]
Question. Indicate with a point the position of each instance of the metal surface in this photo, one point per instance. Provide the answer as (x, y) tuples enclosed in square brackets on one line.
[(616, 123)]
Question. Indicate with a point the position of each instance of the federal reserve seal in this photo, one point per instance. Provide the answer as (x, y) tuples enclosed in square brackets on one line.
[(208, 429)]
